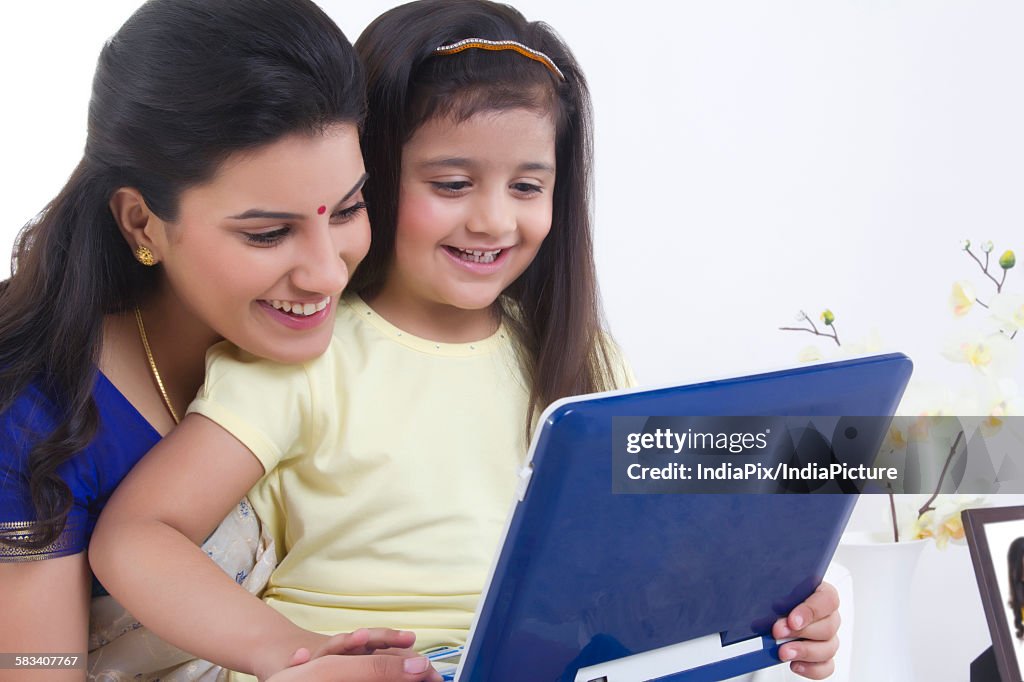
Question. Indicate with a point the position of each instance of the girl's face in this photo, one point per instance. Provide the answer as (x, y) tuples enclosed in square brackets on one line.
[(474, 207), (261, 252)]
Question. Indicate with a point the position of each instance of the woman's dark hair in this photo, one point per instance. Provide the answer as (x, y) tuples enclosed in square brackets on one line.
[(1015, 562), (179, 88), (553, 308)]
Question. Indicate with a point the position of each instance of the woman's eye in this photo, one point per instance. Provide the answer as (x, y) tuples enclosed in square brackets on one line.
[(453, 187), (271, 238), (345, 214), (527, 188)]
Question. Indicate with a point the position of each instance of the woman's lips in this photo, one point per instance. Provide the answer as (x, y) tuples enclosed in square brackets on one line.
[(283, 312)]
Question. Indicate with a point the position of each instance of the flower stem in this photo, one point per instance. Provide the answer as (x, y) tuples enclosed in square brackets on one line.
[(892, 513), (814, 330), (949, 458), (984, 269)]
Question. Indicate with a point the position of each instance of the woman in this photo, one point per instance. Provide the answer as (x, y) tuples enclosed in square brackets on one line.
[(212, 123)]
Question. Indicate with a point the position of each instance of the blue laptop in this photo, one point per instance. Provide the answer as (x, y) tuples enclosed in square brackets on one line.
[(593, 585)]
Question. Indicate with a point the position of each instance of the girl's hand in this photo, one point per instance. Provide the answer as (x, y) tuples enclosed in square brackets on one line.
[(360, 642), (379, 655), (816, 621)]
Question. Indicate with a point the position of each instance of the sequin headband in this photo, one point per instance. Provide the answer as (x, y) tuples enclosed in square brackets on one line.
[(498, 45)]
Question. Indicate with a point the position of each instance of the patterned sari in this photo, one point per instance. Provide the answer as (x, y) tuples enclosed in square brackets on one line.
[(122, 650)]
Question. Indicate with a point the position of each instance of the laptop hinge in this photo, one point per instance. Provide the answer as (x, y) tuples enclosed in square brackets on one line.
[(702, 656)]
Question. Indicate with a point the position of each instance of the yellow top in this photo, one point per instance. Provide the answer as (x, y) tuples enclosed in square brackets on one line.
[(392, 465)]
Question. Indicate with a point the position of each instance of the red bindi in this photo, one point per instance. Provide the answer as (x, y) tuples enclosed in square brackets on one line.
[(321, 210)]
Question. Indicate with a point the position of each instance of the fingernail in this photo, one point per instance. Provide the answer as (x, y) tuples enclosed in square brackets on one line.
[(788, 654), (798, 669), (415, 665), (798, 621), (406, 632)]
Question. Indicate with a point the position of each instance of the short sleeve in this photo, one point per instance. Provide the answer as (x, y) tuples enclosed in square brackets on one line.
[(22, 425), (16, 514), (266, 405)]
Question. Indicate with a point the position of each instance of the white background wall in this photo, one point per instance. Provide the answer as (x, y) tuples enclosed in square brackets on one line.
[(754, 158)]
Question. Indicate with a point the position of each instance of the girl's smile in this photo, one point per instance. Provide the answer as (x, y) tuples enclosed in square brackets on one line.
[(474, 208), (481, 261)]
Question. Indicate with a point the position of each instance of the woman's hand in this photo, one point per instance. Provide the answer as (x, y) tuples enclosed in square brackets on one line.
[(368, 668), (816, 621)]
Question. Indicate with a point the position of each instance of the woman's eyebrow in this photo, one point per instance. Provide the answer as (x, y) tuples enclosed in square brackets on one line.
[(261, 213), (355, 188), (253, 213)]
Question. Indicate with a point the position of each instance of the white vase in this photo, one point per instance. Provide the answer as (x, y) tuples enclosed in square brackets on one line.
[(882, 572)]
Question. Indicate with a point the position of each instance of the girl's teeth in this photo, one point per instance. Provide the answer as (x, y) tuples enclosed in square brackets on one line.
[(478, 256)]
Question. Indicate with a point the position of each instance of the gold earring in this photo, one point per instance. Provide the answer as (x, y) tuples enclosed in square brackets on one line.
[(145, 256)]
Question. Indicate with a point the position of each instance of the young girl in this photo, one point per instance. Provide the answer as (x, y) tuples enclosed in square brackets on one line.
[(386, 466), (204, 115)]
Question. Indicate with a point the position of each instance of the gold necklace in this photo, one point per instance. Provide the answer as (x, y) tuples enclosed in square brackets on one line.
[(152, 366)]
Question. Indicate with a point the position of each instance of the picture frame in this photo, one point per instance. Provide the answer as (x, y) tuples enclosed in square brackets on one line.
[(995, 536)]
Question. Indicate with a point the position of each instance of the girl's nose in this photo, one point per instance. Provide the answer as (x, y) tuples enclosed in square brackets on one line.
[(493, 215)]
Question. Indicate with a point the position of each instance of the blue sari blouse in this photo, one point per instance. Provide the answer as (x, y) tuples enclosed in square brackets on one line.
[(121, 440)]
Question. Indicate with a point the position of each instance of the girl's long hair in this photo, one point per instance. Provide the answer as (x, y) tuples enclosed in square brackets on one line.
[(1015, 564), (554, 307), (180, 87)]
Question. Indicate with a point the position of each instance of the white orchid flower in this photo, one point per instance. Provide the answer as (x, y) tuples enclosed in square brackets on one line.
[(1008, 310), (962, 298), (989, 354)]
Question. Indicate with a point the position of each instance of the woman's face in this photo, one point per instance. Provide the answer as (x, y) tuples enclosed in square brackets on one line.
[(261, 252)]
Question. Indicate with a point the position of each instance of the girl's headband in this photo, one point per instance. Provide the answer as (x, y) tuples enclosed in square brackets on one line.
[(497, 45)]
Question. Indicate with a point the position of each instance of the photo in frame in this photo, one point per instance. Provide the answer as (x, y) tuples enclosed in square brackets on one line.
[(995, 536)]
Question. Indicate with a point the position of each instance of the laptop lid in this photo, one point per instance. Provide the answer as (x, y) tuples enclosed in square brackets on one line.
[(587, 576)]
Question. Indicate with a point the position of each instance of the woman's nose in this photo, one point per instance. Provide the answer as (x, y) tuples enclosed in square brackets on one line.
[(321, 269)]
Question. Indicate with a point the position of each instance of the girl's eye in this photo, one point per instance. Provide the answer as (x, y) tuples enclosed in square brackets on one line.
[(265, 239), (527, 188), (346, 214), (453, 187)]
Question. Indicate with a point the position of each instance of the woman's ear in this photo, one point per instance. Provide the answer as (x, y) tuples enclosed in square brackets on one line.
[(142, 229)]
